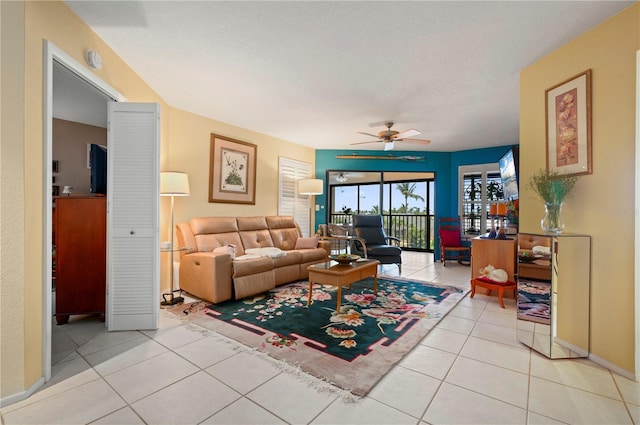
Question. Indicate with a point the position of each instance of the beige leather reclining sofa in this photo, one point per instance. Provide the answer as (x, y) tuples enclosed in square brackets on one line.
[(217, 277)]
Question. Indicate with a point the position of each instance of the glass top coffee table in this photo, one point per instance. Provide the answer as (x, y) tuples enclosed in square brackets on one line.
[(332, 273)]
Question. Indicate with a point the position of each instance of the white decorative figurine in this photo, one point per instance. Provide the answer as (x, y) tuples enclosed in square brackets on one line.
[(497, 275)]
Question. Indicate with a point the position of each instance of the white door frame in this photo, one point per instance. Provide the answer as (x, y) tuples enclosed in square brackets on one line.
[(51, 53), (637, 220)]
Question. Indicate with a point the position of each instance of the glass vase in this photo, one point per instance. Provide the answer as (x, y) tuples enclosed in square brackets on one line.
[(552, 221)]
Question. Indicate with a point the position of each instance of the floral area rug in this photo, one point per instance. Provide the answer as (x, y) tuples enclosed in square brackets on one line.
[(351, 348)]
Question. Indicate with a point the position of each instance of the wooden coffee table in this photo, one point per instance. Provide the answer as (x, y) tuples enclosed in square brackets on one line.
[(332, 273)]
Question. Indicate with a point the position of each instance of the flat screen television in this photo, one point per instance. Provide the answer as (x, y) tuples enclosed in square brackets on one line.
[(509, 166), (98, 162)]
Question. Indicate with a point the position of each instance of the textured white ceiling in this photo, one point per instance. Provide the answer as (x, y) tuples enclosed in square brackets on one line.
[(316, 73)]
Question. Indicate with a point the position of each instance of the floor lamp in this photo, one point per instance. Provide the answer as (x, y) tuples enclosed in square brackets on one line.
[(173, 183), (310, 187)]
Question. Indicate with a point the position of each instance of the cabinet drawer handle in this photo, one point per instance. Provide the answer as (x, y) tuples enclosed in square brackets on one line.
[(132, 232)]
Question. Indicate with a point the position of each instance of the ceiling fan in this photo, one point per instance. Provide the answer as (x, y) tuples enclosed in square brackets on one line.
[(389, 137)]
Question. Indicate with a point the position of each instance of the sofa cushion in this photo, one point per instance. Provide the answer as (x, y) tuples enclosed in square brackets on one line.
[(246, 286), (209, 242), (256, 239), (281, 222), (202, 225), (306, 243), (284, 239), (290, 257), (253, 266), (312, 255), (252, 223), (284, 231)]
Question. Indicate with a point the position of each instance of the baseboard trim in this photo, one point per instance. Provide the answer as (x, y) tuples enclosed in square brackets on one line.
[(581, 352), (614, 368), (23, 395)]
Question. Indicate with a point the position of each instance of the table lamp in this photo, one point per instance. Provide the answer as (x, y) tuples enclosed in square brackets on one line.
[(310, 187), (173, 183)]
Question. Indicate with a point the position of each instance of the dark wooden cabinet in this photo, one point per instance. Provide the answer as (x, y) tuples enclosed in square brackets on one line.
[(81, 252)]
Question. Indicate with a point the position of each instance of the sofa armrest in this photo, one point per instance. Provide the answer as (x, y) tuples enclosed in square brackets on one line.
[(185, 238), (207, 275), (326, 245)]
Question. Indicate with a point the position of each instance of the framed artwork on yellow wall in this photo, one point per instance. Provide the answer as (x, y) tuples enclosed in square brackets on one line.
[(232, 171), (568, 124)]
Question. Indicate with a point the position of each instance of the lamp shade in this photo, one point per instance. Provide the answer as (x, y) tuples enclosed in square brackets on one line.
[(67, 190), (310, 186), (174, 183)]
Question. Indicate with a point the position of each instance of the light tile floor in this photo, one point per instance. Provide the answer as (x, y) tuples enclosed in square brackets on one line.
[(469, 369)]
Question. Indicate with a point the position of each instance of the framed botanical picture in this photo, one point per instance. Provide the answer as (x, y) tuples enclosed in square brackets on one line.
[(232, 171), (568, 114)]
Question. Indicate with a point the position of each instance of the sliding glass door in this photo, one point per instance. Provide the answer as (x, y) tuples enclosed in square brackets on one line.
[(404, 199)]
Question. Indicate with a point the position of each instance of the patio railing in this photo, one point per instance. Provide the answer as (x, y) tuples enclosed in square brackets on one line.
[(415, 231)]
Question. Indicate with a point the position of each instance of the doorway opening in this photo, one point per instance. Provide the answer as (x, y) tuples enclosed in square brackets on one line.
[(71, 88)]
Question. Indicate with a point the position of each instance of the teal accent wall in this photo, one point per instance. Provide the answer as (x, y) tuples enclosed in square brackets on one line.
[(436, 162), (443, 164), (470, 157)]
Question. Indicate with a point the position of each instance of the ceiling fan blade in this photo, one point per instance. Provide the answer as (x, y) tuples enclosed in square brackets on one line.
[(407, 133), (362, 143), (368, 134), (419, 141), (380, 123)]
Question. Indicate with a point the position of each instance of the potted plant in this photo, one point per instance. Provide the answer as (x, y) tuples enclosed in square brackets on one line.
[(552, 188)]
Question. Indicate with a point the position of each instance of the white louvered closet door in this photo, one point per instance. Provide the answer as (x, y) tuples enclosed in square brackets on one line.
[(289, 201), (133, 249)]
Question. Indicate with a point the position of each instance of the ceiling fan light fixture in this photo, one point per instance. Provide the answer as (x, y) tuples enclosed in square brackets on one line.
[(341, 178), (388, 137)]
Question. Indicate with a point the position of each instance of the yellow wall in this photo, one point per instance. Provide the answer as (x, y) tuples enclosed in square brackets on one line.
[(189, 152), (12, 305), (184, 147), (602, 204)]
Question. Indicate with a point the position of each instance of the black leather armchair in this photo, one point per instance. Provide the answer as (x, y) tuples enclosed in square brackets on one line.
[(374, 242)]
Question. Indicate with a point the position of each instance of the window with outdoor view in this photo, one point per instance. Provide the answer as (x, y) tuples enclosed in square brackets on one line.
[(480, 185), (404, 199)]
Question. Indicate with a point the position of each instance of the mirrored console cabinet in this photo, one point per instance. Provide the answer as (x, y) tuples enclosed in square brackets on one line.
[(553, 278)]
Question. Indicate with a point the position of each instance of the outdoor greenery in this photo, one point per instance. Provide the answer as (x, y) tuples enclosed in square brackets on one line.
[(406, 190), (495, 191), (409, 224)]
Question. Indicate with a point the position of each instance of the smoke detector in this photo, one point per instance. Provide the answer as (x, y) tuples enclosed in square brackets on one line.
[(93, 58)]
